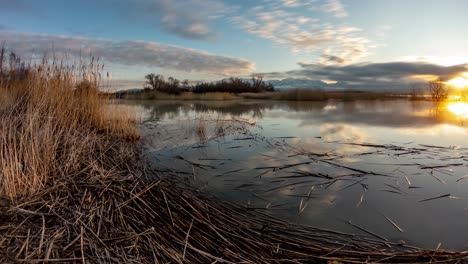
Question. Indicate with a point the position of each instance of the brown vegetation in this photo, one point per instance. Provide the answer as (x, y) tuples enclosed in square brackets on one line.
[(157, 83), (70, 192), (319, 95), (50, 125), (154, 95), (437, 90), (235, 86)]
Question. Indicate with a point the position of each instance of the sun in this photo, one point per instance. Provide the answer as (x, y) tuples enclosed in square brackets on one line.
[(459, 82), (460, 109)]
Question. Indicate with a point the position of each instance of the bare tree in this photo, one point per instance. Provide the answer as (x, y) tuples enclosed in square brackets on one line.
[(173, 83), (257, 81), (437, 90), (154, 81)]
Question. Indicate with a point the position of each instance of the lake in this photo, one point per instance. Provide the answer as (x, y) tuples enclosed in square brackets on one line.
[(393, 168)]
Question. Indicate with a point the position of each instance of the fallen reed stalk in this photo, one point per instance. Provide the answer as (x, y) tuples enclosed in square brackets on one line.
[(135, 219), (72, 191)]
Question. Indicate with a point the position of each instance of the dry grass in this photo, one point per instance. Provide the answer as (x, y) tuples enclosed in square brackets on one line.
[(49, 129), (318, 95), (287, 95), (151, 95), (71, 193)]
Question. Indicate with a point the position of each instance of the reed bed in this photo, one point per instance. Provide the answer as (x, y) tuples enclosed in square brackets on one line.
[(52, 122), (319, 95), (184, 96), (124, 219), (72, 191)]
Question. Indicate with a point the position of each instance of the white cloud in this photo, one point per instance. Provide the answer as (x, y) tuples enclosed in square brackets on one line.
[(290, 27), (129, 53), (335, 7), (291, 3)]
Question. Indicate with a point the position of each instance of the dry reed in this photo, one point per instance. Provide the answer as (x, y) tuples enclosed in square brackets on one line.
[(153, 95), (52, 122), (72, 193)]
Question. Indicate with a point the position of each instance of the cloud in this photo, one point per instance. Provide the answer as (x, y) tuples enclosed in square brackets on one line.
[(333, 59), (296, 3), (186, 18), (335, 7), (373, 76), (128, 53), (289, 27)]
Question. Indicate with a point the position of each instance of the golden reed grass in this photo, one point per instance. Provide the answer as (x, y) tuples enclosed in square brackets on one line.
[(185, 96), (52, 123), (72, 193)]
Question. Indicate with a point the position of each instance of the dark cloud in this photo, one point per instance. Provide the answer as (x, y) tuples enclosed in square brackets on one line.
[(333, 59), (390, 75), (388, 70), (129, 53)]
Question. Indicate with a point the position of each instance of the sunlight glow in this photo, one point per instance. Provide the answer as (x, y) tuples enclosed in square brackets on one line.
[(425, 77), (460, 109), (459, 82)]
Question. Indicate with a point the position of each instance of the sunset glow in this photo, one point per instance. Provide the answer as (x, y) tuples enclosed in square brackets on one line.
[(238, 131), (459, 82), (327, 44), (460, 109)]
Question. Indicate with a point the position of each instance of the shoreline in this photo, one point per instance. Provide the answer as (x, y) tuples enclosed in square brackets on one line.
[(287, 95), (76, 189), (164, 219)]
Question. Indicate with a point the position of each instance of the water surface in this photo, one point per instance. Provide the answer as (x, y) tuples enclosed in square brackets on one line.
[(377, 164)]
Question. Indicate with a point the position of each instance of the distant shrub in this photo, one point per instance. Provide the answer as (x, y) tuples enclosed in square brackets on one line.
[(157, 83), (235, 85), (438, 90)]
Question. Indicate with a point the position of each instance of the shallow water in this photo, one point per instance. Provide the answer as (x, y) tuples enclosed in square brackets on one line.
[(373, 163)]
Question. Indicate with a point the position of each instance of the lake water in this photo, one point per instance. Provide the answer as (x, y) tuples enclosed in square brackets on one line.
[(375, 164)]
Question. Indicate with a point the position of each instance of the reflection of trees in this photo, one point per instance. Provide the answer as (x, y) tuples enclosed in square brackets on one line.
[(378, 113), (305, 106), (235, 109), (172, 110), (254, 109)]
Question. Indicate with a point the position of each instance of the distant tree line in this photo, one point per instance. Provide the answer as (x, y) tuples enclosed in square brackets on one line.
[(156, 82)]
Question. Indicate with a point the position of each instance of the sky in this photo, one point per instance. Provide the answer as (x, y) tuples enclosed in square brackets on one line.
[(377, 43)]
